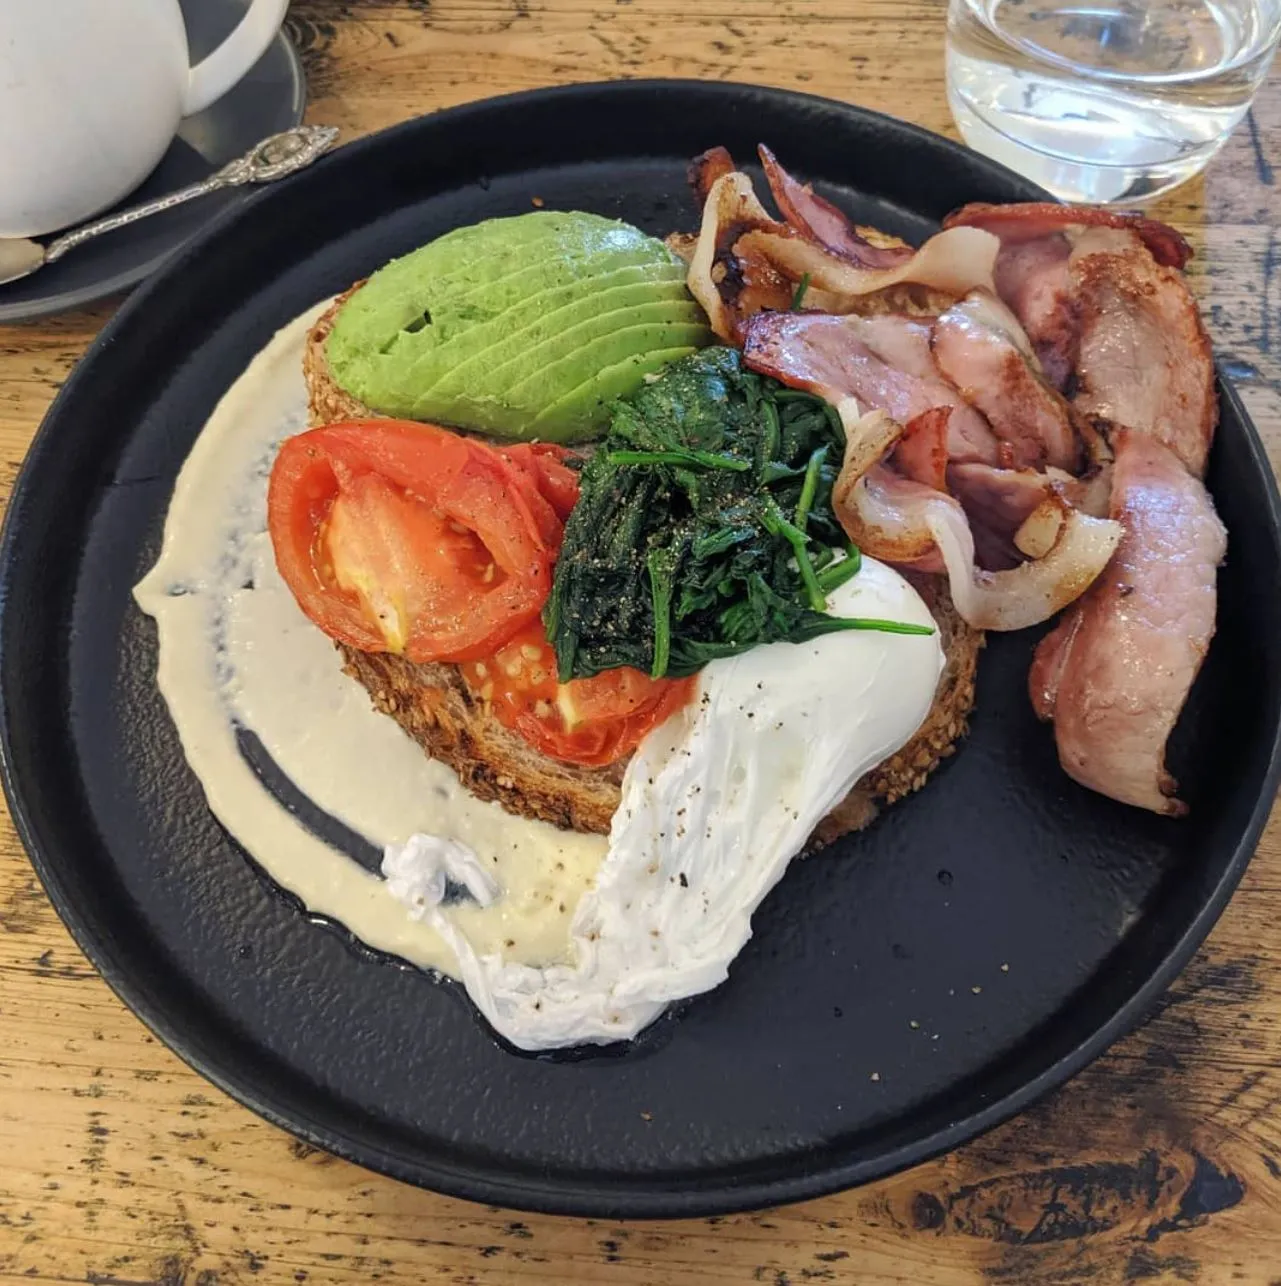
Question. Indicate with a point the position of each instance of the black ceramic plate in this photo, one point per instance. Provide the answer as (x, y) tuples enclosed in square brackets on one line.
[(911, 987), (269, 99)]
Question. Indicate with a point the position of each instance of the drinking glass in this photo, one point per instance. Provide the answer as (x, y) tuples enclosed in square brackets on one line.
[(1106, 100)]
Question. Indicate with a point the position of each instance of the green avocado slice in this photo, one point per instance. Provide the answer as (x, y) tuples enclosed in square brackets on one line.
[(475, 272), (392, 298), (535, 317), (385, 378), (605, 351), (528, 414), (512, 321), (539, 377), (509, 244), (554, 331), (577, 413)]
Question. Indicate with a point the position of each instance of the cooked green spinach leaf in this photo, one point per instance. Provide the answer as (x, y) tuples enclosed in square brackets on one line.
[(704, 526)]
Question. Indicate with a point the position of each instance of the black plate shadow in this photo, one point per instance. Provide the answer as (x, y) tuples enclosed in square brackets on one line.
[(871, 1022)]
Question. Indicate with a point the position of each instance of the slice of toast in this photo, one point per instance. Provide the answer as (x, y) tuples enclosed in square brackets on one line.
[(434, 706), (327, 401)]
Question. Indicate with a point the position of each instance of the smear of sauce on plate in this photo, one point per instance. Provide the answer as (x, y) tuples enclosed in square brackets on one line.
[(237, 653)]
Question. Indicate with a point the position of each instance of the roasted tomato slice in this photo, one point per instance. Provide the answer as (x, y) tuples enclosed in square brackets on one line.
[(557, 482), (404, 537), (585, 721)]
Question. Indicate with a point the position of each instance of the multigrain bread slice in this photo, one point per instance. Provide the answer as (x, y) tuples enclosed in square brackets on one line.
[(436, 708), (327, 401)]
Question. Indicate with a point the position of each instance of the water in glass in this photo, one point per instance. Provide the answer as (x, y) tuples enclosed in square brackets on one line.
[(1115, 100)]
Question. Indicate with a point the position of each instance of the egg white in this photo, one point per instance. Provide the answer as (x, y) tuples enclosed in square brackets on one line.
[(715, 804)]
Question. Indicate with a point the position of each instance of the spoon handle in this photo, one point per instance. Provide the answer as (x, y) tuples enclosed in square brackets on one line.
[(273, 158)]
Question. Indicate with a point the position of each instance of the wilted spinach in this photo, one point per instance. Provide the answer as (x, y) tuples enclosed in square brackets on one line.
[(704, 526)]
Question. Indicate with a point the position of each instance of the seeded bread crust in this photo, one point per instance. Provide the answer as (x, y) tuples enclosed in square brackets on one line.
[(434, 706), (327, 402)]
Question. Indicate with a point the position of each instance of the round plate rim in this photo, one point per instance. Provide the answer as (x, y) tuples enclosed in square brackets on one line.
[(554, 1196), (83, 296)]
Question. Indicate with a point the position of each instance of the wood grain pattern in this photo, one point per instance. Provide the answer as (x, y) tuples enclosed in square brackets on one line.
[(1159, 1164)]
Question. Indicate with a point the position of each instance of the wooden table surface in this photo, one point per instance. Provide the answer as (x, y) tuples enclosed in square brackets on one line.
[(1159, 1164)]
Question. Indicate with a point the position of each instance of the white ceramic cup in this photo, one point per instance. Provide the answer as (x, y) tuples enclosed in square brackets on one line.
[(92, 93)]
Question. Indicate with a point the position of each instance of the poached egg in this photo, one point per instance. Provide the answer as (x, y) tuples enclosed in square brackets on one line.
[(715, 803)]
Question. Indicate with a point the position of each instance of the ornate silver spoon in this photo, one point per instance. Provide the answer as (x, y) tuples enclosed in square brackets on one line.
[(273, 158)]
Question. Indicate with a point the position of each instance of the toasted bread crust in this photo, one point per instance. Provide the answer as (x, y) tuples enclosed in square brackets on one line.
[(434, 706), (947, 722), (327, 402)]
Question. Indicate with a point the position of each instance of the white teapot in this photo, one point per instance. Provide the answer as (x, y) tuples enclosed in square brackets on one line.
[(92, 93)]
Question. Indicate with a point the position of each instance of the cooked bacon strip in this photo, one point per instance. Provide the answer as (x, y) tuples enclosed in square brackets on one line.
[(821, 222), (921, 453), (1032, 278), (1032, 220), (1144, 359), (1116, 672), (900, 341), (1032, 592), (903, 521), (1002, 497), (746, 261), (868, 439), (998, 502), (704, 170), (881, 513), (827, 355), (1092, 492), (981, 348), (954, 262), (729, 288), (1031, 271)]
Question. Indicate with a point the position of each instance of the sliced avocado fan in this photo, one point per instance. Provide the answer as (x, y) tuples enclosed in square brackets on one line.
[(526, 327)]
